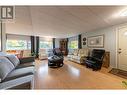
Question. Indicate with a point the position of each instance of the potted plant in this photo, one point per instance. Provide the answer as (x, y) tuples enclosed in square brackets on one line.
[(124, 83), (34, 54)]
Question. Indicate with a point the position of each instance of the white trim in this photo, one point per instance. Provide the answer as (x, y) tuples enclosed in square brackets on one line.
[(32, 83), (117, 42), (116, 30)]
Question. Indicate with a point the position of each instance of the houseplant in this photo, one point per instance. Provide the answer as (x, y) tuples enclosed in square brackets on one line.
[(124, 83)]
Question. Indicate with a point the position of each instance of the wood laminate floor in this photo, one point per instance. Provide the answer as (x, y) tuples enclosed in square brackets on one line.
[(74, 76)]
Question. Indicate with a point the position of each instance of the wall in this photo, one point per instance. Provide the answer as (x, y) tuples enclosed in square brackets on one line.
[(17, 37), (109, 41), (22, 23)]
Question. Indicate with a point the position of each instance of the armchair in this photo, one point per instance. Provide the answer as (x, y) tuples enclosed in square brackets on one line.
[(56, 60), (95, 60)]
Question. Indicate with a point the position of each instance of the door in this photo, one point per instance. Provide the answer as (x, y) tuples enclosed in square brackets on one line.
[(122, 48)]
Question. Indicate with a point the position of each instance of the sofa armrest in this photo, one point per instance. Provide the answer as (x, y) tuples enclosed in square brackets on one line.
[(93, 58), (88, 57), (27, 59), (82, 56)]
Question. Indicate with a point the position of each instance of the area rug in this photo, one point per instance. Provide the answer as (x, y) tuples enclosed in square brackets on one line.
[(118, 72)]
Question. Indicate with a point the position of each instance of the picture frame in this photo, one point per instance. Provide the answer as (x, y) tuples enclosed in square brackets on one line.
[(96, 41)]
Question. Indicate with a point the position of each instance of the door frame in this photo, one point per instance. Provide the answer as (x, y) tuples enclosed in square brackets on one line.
[(117, 42)]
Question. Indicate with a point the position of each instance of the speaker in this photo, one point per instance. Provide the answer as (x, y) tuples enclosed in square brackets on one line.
[(84, 41)]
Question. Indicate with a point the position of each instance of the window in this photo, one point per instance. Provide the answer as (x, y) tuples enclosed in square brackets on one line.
[(46, 45), (18, 45), (28, 45), (73, 44)]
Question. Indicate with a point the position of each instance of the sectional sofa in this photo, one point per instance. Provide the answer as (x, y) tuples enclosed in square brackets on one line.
[(16, 72), (78, 55)]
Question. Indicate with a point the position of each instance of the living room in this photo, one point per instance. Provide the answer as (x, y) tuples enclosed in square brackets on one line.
[(35, 31)]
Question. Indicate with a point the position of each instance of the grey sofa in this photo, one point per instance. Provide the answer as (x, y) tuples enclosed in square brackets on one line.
[(14, 72)]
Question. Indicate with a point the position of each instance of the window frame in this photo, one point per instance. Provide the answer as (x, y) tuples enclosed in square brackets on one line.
[(51, 45), (25, 48), (75, 47)]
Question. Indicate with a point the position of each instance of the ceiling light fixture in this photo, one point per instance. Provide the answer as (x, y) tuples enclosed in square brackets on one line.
[(125, 33), (124, 13)]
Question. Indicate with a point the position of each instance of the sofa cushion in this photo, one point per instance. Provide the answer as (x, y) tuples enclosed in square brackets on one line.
[(75, 52), (77, 57), (2, 54), (83, 52), (74, 56), (21, 72), (23, 65), (69, 56), (14, 59), (5, 67)]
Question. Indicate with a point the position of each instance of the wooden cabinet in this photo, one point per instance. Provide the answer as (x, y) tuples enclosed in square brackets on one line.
[(106, 60), (63, 46)]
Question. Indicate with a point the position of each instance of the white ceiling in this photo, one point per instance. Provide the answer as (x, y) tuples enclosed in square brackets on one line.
[(63, 21)]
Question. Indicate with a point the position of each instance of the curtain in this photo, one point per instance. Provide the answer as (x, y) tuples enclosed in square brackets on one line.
[(79, 42), (32, 44), (67, 46), (37, 46), (53, 42)]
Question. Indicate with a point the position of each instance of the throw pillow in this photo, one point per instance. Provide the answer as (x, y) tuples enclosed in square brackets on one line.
[(14, 59), (5, 67)]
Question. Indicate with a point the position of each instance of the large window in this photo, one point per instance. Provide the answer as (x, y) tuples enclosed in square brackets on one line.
[(18, 42), (18, 45), (46, 45), (73, 44)]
